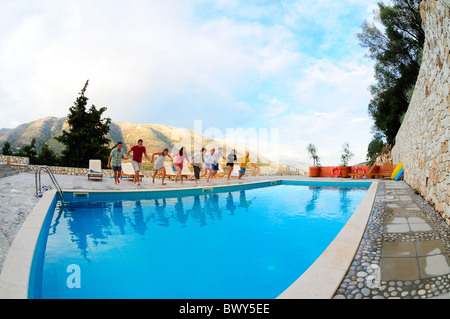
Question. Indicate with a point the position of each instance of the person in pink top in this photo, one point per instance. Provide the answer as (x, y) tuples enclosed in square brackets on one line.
[(178, 162)]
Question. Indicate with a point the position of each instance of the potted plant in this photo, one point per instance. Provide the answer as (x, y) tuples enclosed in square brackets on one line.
[(345, 157), (314, 170)]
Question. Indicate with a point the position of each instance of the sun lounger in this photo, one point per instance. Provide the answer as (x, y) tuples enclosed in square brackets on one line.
[(221, 172), (169, 170), (253, 172), (235, 172), (129, 172), (375, 175), (95, 169), (185, 172), (369, 174)]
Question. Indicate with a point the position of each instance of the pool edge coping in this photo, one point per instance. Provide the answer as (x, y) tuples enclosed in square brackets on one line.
[(15, 273), (323, 277)]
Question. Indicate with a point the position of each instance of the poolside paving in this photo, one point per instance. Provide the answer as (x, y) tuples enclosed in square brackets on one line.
[(404, 252)]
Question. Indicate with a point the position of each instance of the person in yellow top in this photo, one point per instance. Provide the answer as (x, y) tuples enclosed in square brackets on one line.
[(243, 165)]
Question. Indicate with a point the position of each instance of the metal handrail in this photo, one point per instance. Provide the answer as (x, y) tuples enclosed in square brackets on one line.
[(52, 177)]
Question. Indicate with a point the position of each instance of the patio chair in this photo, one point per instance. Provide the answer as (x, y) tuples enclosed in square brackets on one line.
[(169, 171), (185, 172), (95, 169), (221, 172), (129, 172), (235, 172)]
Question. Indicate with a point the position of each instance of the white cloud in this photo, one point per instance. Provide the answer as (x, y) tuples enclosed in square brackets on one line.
[(233, 64), (327, 85), (275, 108), (328, 109), (328, 132), (156, 55)]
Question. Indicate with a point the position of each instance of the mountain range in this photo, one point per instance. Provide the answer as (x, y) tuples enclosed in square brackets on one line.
[(156, 137)]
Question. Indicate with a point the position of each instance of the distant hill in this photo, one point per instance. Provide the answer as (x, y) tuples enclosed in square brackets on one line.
[(156, 137), (43, 130), (303, 167), (3, 131)]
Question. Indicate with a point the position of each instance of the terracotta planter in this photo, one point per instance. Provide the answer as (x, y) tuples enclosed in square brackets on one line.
[(345, 170), (314, 171)]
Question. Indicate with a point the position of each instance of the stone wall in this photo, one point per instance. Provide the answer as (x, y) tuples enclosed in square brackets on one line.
[(422, 141), (14, 159), (68, 170), (21, 165)]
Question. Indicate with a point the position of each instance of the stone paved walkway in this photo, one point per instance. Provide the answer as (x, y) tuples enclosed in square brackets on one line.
[(16, 202), (404, 252)]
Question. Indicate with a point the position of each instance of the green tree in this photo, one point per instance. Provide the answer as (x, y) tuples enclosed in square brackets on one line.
[(375, 148), (397, 50), (312, 150), (46, 156), (346, 154), (29, 151), (87, 135), (6, 149)]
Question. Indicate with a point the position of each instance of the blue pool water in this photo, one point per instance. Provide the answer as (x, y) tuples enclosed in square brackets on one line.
[(248, 243)]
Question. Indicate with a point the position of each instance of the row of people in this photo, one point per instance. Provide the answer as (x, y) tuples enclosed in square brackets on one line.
[(209, 163)]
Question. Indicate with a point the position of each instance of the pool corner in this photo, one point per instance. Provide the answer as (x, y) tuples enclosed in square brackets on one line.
[(323, 277)]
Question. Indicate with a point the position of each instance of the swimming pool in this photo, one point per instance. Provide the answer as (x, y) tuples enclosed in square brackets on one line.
[(234, 242)]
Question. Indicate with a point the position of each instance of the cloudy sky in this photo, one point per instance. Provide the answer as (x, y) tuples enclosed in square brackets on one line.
[(292, 68)]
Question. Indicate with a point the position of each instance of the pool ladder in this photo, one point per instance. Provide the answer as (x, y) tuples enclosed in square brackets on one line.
[(52, 177)]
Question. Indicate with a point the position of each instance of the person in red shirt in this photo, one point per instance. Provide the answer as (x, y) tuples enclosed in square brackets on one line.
[(138, 150)]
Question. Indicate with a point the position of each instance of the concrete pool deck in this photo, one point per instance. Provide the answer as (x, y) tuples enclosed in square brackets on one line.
[(398, 234)]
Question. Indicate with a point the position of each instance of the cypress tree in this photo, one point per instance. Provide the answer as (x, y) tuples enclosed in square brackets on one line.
[(87, 135)]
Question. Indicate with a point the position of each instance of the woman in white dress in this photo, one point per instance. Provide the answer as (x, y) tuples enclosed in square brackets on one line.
[(207, 168), (159, 164), (215, 163)]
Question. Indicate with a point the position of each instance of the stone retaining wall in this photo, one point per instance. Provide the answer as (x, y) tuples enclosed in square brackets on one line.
[(422, 141), (70, 170), (21, 164), (14, 159)]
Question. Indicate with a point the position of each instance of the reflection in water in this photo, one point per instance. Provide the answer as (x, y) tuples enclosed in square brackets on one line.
[(311, 206), (215, 209), (181, 216), (90, 223), (139, 224), (189, 242), (86, 226), (207, 206), (53, 227), (161, 215), (197, 213), (230, 204), (345, 201), (243, 202), (117, 217)]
